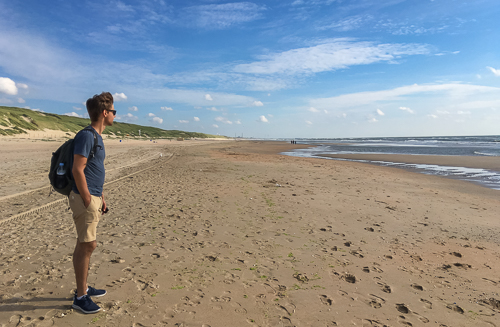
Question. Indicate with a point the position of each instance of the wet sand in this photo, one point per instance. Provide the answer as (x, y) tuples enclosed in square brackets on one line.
[(232, 233), (492, 163)]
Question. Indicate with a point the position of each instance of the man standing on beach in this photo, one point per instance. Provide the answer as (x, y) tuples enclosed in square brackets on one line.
[(86, 199)]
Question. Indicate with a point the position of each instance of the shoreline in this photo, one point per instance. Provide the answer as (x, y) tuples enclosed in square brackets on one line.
[(479, 162)]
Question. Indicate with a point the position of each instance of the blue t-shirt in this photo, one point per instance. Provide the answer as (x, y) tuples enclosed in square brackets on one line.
[(94, 171)]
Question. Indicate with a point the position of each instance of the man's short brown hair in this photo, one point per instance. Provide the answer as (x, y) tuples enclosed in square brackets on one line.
[(98, 103)]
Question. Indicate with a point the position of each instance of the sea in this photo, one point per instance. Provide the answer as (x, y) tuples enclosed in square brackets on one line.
[(485, 146)]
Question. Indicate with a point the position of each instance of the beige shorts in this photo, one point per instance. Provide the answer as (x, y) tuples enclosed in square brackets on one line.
[(86, 219)]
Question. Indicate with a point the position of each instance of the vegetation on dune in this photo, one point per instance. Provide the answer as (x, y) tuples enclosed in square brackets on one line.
[(15, 120)]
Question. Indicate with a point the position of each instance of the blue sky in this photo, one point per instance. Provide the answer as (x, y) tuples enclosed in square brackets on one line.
[(303, 68)]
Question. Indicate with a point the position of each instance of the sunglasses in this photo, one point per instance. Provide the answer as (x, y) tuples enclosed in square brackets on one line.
[(113, 111)]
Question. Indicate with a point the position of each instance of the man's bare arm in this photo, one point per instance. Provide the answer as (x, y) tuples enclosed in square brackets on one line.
[(79, 164)]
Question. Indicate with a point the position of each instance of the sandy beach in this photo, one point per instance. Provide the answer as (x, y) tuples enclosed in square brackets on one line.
[(231, 233)]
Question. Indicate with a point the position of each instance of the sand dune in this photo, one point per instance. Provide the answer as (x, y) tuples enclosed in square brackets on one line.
[(232, 234)]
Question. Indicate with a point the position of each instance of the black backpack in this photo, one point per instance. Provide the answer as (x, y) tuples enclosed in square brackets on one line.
[(64, 183)]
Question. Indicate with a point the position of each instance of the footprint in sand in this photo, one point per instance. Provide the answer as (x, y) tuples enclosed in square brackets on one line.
[(455, 308), (375, 301), (385, 288), (349, 278), (404, 322), (325, 300), (427, 303), (401, 307), (417, 287)]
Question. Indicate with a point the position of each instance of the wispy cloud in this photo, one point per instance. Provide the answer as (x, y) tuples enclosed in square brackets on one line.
[(223, 120), (133, 108), (363, 98), (407, 110), (331, 55), (348, 23), (167, 108), (496, 72), (196, 119), (128, 118), (220, 16), (184, 121)]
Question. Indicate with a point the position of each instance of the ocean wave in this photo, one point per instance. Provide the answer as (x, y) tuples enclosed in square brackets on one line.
[(486, 154)]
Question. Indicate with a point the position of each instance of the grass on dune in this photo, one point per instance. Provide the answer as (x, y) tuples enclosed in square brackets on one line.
[(15, 120)]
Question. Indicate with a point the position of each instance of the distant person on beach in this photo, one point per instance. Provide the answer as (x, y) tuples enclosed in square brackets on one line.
[(86, 199)]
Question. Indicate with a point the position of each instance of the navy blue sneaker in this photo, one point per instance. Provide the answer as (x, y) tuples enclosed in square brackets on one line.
[(85, 305), (93, 292)]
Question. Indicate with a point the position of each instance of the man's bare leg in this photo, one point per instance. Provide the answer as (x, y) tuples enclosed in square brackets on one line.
[(81, 260)]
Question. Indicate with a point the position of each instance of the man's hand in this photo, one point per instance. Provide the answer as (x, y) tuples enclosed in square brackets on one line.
[(86, 201), (79, 164), (104, 208)]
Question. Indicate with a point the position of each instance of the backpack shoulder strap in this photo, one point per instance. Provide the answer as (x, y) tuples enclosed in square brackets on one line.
[(94, 148)]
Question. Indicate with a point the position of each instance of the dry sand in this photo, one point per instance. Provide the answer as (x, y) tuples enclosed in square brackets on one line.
[(232, 234)]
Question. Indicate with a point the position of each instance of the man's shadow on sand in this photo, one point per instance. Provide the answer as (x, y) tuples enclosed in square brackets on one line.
[(30, 304)]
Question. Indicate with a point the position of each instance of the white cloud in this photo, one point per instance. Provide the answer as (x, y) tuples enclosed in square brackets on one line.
[(133, 108), (216, 126), (263, 119), (196, 119), (348, 24), (238, 122), (73, 114), (183, 121), (372, 120), (460, 112), (208, 97), (158, 120), (167, 108), (151, 114), (77, 108), (223, 120), (7, 86), (270, 115), (494, 71), (22, 86), (380, 112), (331, 55), (308, 122), (456, 91), (442, 112), (407, 110), (128, 118), (221, 16), (257, 104), (312, 109), (432, 116), (21, 100), (214, 109), (119, 97)]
